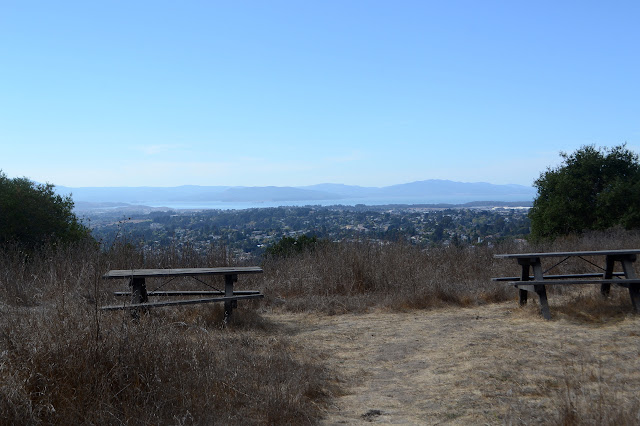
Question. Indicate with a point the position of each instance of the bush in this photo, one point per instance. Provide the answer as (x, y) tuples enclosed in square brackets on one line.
[(594, 189), (33, 215)]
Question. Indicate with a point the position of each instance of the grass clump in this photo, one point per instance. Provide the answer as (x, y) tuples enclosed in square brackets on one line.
[(589, 396), (55, 370)]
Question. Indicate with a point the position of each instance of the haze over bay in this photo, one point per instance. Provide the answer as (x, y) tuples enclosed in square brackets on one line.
[(421, 192)]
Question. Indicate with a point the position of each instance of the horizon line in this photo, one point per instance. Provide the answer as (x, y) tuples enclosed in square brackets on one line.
[(296, 186)]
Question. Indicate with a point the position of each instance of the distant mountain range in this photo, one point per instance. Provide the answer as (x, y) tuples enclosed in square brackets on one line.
[(427, 191)]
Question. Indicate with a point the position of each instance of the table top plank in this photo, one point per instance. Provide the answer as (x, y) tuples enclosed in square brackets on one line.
[(568, 253), (184, 272)]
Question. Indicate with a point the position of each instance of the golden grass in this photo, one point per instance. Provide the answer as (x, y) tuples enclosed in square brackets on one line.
[(64, 361), (490, 364), (165, 368), (353, 277)]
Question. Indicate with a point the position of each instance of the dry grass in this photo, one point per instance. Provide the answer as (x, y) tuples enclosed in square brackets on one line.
[(592, 395), (354, 277), (64, 361), (489, 364), (56, 370)]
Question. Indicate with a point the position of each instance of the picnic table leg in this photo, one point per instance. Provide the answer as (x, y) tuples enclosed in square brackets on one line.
[(634, 293), (228, 292), (540, 289), (524, 294), (608, 274), (138, 294), (138, 290), (634, 289), (544, 303)]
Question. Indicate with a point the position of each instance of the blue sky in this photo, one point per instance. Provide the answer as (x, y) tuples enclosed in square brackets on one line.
[(372, 93)]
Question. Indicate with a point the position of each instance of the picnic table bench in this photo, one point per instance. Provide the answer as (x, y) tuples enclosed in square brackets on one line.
[(537, 282), (140, 296)]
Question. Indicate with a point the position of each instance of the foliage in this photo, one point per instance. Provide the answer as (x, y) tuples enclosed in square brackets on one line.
[(32, 214), (594, 189), (289, 246)]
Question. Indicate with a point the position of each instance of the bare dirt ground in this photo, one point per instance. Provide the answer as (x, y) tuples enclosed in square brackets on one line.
[(491, 364)]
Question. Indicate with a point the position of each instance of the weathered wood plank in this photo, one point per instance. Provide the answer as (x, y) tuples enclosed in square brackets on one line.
[(569, 253), (634, 288), (572, 282), (523, 286), (182, 302), (188, 293), (186, 272), (138, 290), (229, 280), (524, 295), (563, 276), (544, 303)]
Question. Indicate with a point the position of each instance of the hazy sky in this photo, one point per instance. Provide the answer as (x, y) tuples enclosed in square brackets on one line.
[(373, 93)]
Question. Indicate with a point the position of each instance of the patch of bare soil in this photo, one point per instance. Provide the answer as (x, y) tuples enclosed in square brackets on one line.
[(492, 364)]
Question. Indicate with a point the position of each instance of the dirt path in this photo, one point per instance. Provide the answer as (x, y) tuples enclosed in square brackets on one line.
[(479, 365)]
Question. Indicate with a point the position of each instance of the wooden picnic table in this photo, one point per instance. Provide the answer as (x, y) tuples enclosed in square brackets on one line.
[(140, 296), (540, 279)]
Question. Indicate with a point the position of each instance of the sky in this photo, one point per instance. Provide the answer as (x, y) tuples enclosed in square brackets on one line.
[(293, 93)]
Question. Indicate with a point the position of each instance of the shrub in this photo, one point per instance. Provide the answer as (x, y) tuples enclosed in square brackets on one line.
[(594, 189), (32, 214)]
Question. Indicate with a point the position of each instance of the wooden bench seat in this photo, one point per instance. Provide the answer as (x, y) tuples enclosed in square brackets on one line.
[(188, 293), (563, 276), (183, 302), (621, 282)]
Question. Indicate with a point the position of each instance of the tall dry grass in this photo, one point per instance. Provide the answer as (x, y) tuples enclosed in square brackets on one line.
[(590, 396), (356, 276), (586, 392), (347, 277), (63, 361)]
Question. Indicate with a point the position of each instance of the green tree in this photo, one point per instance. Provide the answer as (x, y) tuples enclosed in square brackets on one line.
[(289, 246), (33, 214), (592, 189)]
